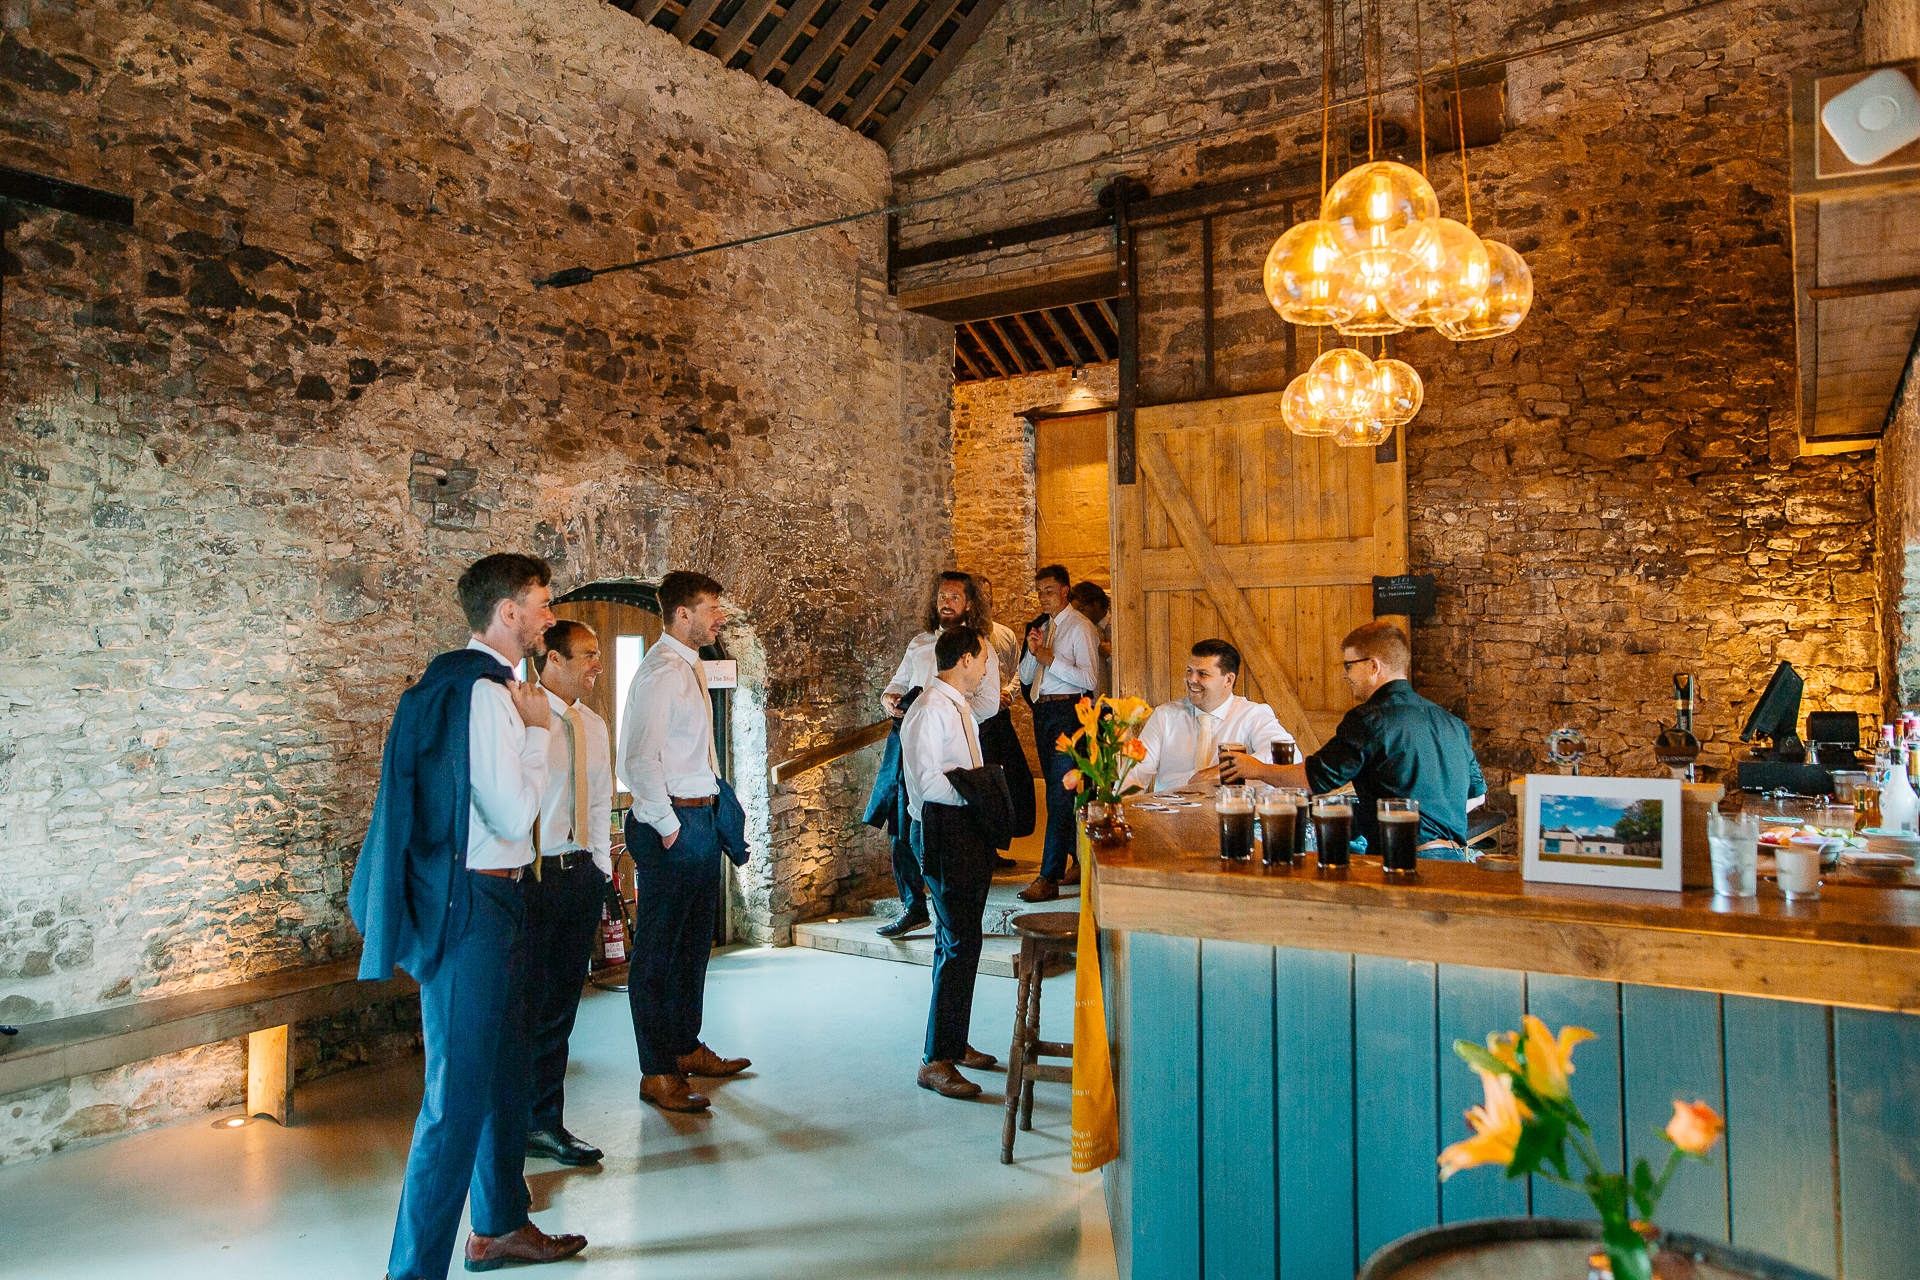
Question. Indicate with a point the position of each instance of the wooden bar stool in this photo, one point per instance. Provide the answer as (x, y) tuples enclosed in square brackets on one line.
[(1044, 936)]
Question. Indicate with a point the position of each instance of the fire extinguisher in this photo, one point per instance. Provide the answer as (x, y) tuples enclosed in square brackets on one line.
[(613, 931)]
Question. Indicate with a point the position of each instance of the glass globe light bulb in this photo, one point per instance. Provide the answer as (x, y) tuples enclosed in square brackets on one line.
[(1362, 431), (1347, 377), (1508, 298), (1400, 391), (1447, 270), (1303, 416), (1374, 202), (1368, 283), (1306, 276)]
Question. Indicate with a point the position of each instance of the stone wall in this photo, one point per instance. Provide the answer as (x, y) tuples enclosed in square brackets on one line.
[(1897, 513), (250, 442), (1602, 496)]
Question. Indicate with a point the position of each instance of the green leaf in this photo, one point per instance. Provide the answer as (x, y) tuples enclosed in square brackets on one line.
[(1540, 1140), (1477, 1056), (1645, 1197)]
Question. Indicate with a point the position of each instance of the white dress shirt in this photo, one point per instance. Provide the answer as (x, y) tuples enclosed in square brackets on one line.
[(917, 672), (1174, 732), (666, 742), (1006, 648), (556, 806), (1076, 657), (507, 768), (937, 735)]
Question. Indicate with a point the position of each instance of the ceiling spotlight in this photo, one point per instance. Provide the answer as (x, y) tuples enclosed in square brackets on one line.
[(1079, 372)]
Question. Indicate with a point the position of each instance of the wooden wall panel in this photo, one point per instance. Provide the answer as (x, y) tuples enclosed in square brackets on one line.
[(1237, 1096), (1396, 1107), (1313, 1037), (1581, 1002), (1471, 1003), (1163, 1131), (1671, 1050), (1778, 1110), (1877, 1082)]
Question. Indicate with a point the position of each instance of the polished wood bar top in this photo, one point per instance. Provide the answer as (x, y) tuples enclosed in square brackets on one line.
[(1855, 945)]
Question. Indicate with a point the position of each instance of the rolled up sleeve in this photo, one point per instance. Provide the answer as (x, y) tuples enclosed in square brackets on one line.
[(1341, 759)]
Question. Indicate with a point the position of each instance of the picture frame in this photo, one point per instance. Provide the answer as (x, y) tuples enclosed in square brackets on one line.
[(1620, 833)]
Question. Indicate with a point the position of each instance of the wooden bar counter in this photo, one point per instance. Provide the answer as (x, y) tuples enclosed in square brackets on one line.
[(1283, 1051)]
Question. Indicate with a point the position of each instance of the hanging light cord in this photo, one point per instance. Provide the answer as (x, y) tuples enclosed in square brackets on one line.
[(1420, 82), (1460, 115), (1326, 90)]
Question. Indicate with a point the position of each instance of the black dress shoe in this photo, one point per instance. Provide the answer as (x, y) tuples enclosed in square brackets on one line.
[(558, 1144), (1001, 862), (906, 924)]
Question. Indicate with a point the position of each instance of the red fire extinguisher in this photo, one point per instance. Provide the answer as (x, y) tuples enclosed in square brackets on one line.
[(613, 936)]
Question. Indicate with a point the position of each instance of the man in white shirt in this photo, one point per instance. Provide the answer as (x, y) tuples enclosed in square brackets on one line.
[(674, 837), (465, 767), (939, 734), (1183, 738), (999, 740), (1061, 667), (564, 901), (955, 601)]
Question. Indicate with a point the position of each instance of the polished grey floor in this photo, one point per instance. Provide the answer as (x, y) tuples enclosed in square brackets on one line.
[(823, 1161)]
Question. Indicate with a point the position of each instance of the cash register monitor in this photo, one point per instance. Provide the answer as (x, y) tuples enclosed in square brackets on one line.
[(1776, 714)]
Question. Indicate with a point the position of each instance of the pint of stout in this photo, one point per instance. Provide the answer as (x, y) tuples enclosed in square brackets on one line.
[(1399, 836), (1333, 829), (1234, 807), (1283, 752), (1225, 758), (1282, 815)]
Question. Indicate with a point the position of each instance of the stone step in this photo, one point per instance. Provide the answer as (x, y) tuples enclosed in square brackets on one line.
[(854, 935)]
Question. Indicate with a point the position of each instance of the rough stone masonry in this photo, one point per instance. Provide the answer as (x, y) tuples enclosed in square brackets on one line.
[(1607, 497), (249, 444)]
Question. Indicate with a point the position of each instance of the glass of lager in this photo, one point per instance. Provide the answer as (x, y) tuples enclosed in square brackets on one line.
[(1234, 807), (1399, 836)]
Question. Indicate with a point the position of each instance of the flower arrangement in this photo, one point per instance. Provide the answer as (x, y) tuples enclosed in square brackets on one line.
[(1104, 748), (1529, 1120)]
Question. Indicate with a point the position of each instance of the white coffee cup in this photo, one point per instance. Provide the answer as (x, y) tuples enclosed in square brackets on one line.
[(1798, 862)]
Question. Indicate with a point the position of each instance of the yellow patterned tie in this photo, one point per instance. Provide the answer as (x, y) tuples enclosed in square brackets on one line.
[(577, 742), (1203, 741)]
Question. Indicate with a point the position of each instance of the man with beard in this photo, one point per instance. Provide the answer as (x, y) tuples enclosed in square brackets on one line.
[(955, 601)]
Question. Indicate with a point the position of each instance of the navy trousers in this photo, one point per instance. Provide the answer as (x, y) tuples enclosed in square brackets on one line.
[(957, 891), (678, 901), (471, 1138), (1050, 720), (563, 923), (907, 876)]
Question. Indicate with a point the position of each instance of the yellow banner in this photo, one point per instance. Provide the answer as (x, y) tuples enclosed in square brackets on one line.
[(1096, 1120)]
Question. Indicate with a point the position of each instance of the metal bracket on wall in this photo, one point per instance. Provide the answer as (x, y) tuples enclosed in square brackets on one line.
[(1119, 192)]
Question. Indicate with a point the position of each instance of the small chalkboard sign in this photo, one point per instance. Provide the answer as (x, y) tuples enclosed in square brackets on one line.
[(1407, 594)]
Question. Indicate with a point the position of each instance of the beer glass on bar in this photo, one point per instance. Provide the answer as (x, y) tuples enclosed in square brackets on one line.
[(1333, 830), (1234, 807), (1399, 836), (1282, 751), (1281, 812), (1225, 759)]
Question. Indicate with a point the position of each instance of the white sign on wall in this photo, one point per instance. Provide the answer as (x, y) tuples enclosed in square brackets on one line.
[(722, 673)]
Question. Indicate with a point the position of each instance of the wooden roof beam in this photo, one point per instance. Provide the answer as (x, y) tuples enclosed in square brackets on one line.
[(741, 29), (936, 74), (960, 349), (1066, 344), (645, 9), (917, 39), (693, 18), (1013, 352), (864, 50), (799, 73), (986, 350), (1038, 345), (798, 15), (1093, 339)]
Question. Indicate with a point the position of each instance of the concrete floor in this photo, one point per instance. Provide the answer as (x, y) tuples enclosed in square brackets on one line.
[(822, 1161)]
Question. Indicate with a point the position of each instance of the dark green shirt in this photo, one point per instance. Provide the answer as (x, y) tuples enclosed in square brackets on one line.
[(1398, 746)]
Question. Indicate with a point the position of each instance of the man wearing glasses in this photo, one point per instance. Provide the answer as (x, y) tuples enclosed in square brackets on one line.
[(1395, 745)]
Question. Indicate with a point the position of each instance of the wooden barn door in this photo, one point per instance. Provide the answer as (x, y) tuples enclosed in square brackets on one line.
[(1238, 528)]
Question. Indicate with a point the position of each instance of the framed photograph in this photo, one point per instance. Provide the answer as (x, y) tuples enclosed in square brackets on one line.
[(1623, 833)]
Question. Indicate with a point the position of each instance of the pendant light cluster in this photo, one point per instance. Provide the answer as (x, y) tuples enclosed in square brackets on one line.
[(1380, 260)]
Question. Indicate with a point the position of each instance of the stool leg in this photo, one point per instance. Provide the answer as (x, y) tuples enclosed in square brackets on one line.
[(1038, 968), (1017, 1053)]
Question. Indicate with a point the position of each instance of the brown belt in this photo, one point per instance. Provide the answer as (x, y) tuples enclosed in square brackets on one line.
[(503, 873), (1437, 844), (1060, 697), (697, 802)]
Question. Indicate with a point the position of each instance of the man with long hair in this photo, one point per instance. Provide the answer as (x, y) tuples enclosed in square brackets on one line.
[(955, 600)]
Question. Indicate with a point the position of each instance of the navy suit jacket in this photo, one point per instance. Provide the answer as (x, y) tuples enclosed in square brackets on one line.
[(417, 843)]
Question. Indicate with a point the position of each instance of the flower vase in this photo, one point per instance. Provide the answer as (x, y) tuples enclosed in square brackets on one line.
[(1106, 823), (1617, 1262)]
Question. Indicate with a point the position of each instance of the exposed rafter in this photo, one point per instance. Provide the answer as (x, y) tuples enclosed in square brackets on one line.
[(869, 64), (1033, 342)]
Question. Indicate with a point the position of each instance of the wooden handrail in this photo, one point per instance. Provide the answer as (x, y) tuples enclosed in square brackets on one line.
[(827, 753)]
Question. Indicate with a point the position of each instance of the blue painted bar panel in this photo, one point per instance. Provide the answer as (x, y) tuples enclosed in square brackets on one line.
[(1877, 1060), (1780, 1193), (1583, 1002), (1313, 1024), (1473, 1002), (1396, 1104), (1670, 1049), (1163, 1129), (1236, 1111)]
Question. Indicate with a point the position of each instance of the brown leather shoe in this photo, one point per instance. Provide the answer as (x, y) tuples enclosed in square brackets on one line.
[(670, 1093), (705, 1062), (978, 1061), (943, 1079), (529, 1244), (1043, 889), (1072, 875)]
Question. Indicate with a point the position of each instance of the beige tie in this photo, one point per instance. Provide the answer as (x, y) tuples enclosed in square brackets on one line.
[(972, 735), (577, 745), (1203, 741), (713, 757)]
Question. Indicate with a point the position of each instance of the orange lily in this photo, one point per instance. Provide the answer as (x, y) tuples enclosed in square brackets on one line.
[(1496, 1129), (1550, 1057), (1695, 1127), (1503, 1045), (1072, 781), (1088, 713), (1065, 742), (1134, 749)]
